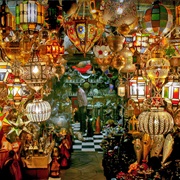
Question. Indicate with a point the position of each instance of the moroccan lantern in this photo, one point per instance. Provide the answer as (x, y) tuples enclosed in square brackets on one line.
[(30, 15), (155, 122), (83, 31), (121, 14), (157, 20), (121, 88), (157, 68), (38, 110), (36, 72), (115, 42), (5, 69), (138, 88)]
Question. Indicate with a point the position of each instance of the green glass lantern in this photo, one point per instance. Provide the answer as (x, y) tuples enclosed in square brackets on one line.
[(157, 20)]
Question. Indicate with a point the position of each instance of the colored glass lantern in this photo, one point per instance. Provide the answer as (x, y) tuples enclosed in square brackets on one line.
[(157, 20), (5, 69), (157, 68), (83, 31), (171, 91), (141, 42), (155, 122), (138, 88), (38, 110), (17, 89), (29, 15)]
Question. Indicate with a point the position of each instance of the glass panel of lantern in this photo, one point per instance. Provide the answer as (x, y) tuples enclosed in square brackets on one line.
[(139, 88), (30, 15), (5, 69), (171, 91), (141, 42)]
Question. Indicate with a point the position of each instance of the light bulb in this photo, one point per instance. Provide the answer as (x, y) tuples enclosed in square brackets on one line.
[(35, 70)]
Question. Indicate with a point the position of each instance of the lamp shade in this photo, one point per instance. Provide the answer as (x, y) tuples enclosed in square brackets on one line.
[(157, 20), (155, 122), (38, 110)]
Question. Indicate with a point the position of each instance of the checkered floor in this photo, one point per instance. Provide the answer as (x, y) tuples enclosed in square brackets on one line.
[(90, 144)]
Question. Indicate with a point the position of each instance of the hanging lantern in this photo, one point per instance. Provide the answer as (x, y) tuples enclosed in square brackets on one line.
[(155, 122), (158, 20), (121, 88), (30, 15), (141, 42), (36, 72), (6, 18), (157, 68), (171, 91), (139, 88), (83, 31), (5, 69), (38, 110)]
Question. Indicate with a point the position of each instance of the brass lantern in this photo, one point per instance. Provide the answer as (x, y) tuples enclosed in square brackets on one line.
[(139, 88), (36, 72), (121, 88)]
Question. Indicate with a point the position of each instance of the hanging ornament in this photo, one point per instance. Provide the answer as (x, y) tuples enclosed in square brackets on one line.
[(83, 31), (158, 20)]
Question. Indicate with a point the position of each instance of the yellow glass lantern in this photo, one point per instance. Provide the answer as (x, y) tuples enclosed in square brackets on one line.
[(158, 20), (157, 68), (36, 72), (38, 110)]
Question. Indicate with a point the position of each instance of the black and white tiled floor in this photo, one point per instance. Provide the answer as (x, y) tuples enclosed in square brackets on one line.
[(90, 144)]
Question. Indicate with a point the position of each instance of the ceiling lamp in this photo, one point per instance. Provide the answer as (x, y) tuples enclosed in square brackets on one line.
[(30, 15), (83, 30), (38, 110), (36, 72), (155, 122), (157, 20)]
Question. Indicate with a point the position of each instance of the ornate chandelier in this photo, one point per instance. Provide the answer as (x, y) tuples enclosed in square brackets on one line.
[(83, 31)]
